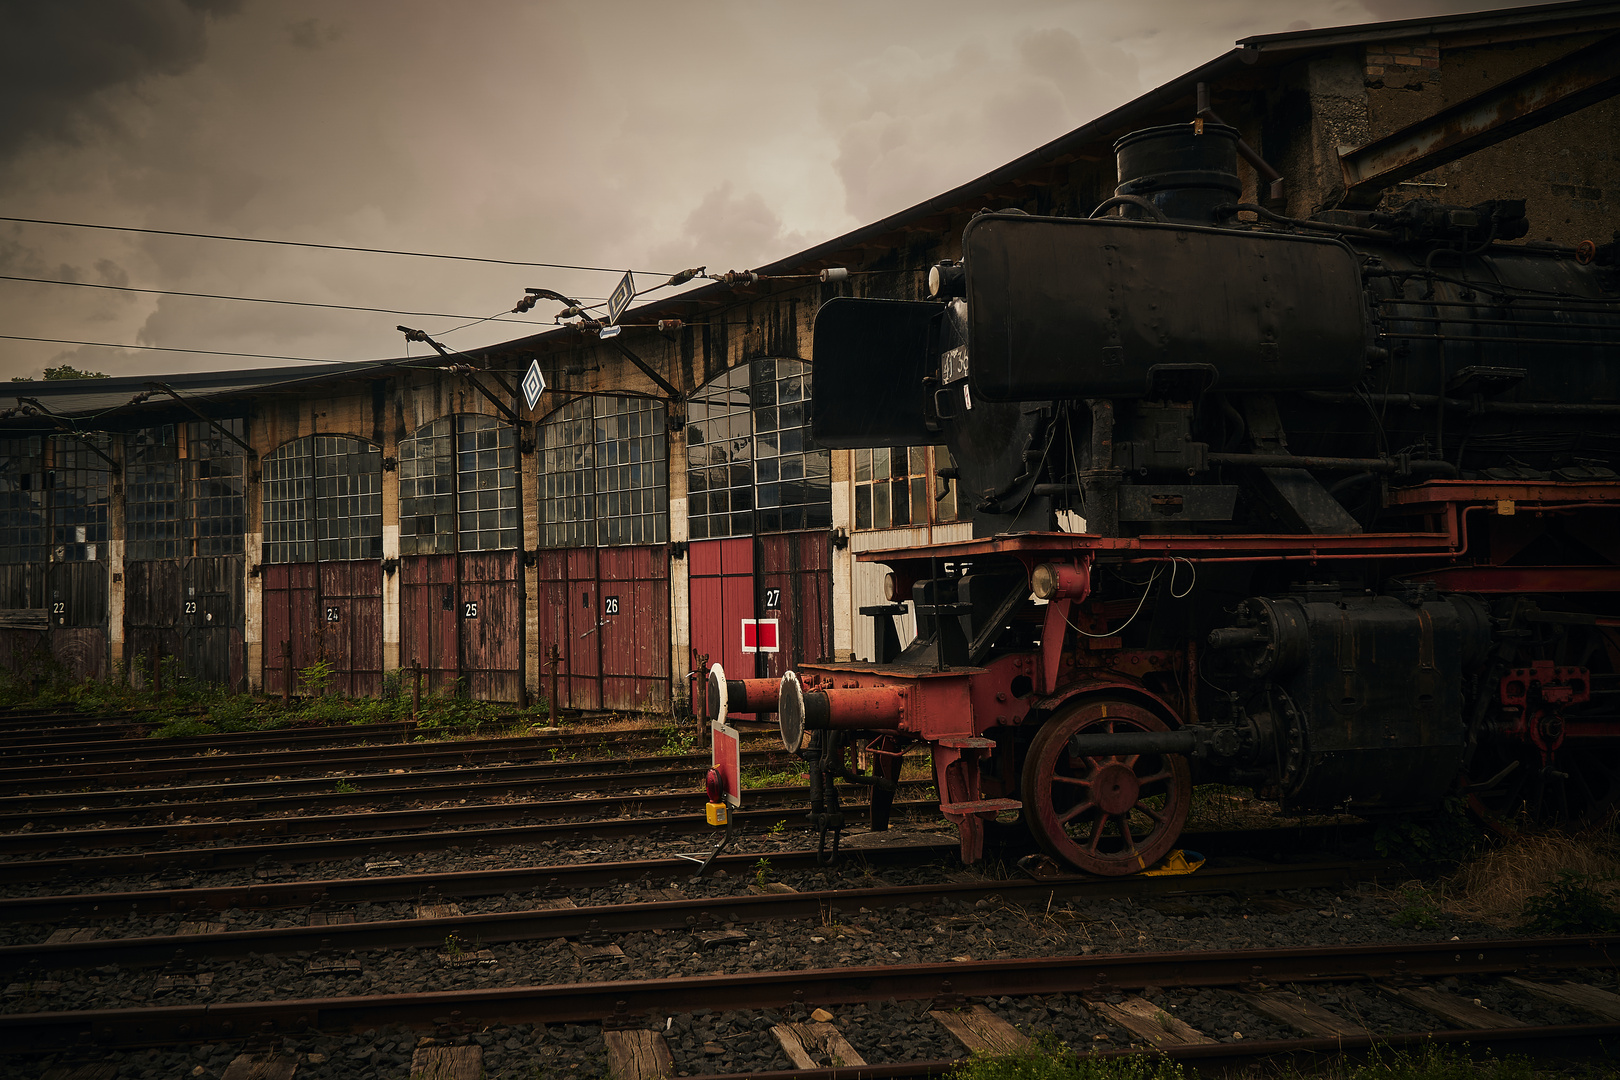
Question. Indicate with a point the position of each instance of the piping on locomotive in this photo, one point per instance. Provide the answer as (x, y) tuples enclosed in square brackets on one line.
[(1328, 508)]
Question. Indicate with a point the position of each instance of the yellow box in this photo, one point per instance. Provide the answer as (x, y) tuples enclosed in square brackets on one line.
[(717, 813)]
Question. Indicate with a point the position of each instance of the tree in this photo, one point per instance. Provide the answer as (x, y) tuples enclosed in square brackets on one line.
[(66, 371)]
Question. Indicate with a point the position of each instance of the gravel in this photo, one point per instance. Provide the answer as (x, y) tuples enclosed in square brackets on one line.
[(703, 1042)]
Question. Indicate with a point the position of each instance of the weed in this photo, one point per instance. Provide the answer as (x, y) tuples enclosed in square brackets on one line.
[(779, 828), (452, 945), (1446, 837), (1572, 904), (183, 727), (762, 872), (677, 741), (1049, 1059), (761, 776), (317, 677), (343, 787), (1418, 911)]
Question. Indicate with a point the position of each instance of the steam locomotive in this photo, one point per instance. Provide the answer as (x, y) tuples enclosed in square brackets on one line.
[(1325, 507)]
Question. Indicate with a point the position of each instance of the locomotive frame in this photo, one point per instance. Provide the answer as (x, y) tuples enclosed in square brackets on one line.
[(1287, 577)]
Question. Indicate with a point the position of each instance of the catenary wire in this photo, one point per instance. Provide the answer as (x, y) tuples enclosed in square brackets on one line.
[(326, 247), (267, 300), (162, 348)]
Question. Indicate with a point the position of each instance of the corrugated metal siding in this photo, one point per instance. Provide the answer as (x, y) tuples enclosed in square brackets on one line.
[(866, 584)]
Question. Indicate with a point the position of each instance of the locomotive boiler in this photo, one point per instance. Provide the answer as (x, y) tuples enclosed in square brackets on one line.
[(1327, 507)]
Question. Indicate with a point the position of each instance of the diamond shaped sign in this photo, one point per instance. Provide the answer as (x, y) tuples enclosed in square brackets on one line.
[(622, 295), (534, 384)]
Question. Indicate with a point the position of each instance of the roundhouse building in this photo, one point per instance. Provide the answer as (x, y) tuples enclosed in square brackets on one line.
[(667, 493)]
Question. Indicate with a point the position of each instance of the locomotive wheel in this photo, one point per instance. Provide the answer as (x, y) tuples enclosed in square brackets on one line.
[(1582, 788), (1110, 815)]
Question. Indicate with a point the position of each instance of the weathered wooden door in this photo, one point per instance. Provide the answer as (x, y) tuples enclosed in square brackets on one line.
[(606, 610), (325, 611)]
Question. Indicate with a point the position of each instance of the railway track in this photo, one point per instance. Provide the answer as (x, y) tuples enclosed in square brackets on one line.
[(1293, 1000), (623, 960), (243, 764), (550, 912)]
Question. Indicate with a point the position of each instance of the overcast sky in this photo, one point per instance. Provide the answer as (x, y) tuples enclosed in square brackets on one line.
[(652, 136)]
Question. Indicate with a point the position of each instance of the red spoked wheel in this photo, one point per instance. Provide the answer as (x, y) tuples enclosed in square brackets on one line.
[(1110, 815)]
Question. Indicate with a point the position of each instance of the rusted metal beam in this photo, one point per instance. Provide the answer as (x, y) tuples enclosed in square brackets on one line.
[(663, 383), (210, 421), (1526, 101), (68, 429), (505, 410)]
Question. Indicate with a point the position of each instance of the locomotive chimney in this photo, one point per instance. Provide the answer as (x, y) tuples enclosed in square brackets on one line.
[(1185, 170)]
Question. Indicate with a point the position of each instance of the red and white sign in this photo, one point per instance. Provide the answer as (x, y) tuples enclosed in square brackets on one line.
[(761, 635), (725, 756)]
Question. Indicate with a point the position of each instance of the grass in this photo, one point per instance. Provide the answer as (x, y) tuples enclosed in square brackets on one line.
[(1499, 886), (764, 776), (1050, 1060), (191, 708)]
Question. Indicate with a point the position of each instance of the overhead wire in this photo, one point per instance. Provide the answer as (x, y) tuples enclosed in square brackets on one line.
[(326, 247), (269, 300), (161, 348)]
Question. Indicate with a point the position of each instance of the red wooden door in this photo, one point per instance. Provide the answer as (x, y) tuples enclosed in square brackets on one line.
[(607, 612), (783, 576), (795, 574), (349, 614), (328, 611), (289, 616), (490, 613), (722, 592), (633, 592), (429, 613)]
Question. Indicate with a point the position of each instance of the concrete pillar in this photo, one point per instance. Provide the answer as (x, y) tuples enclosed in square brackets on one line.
[(680, 575), (253, 561), (116, 518), (529, 502), (390, 552)]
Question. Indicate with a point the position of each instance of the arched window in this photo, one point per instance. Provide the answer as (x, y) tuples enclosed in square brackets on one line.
[(458, 487), (184, 497), (604, 473), (323, 500), (751, 466)]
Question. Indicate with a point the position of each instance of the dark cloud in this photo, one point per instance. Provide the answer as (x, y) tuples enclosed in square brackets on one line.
[(55, 58), (313, 33), (623, 134)]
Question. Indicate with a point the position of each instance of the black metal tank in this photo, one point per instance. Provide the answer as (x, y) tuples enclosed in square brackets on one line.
[(1186, 170)]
